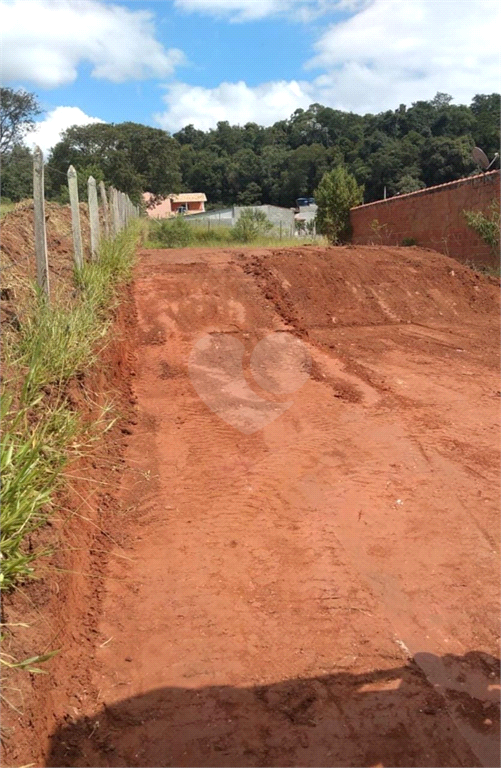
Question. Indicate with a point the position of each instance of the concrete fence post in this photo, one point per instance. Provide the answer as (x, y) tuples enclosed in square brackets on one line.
[(123, 200), (75, 217), (95, 234), (120, 204), (39, 217), (106, 210), (115, 216), (119, 210)]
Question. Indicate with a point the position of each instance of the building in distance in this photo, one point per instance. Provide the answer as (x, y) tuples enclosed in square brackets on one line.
[(185, 203)]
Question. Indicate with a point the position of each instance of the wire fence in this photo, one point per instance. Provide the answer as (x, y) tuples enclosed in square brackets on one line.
[(116, 209)]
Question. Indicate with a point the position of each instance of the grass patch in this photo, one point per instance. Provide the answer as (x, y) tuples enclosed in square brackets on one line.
[(6, 206), (179, 233), (54, 342)]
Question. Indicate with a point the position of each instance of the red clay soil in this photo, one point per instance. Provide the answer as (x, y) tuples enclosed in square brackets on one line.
[(308, 579), (18, 239)]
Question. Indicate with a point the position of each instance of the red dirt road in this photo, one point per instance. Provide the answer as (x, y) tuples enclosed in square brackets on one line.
[(323, 590)]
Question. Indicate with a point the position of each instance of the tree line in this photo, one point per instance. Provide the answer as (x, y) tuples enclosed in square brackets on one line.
[(403, 150)]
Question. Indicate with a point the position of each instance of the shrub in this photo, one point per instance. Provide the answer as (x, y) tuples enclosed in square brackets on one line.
[(173, 233), (486, 226), (337, 192), (409, 241), (251, 225)]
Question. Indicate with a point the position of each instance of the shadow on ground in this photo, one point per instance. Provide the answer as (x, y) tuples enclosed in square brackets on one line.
[(390, 717)]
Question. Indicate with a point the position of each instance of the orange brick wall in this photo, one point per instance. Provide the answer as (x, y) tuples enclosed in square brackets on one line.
[(433, 217)]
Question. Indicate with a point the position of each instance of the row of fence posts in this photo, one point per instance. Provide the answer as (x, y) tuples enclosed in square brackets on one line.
[(117, 210)]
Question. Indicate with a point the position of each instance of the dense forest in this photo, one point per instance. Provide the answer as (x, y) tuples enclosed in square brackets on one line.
[(403, 150)]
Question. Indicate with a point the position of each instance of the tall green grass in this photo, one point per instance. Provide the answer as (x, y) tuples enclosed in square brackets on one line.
[(180, 233), (40, 432)]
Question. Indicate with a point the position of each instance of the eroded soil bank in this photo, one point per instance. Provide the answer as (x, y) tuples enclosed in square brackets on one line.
[(300, 579)]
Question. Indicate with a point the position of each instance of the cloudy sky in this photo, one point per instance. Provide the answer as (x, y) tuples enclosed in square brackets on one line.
[(168, 63)]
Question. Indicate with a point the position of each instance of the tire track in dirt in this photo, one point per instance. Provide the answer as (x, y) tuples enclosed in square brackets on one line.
[(277, 579)]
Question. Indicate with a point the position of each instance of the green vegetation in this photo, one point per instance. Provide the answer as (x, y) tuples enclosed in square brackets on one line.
[(129, 156), (17, 174), (6, 205), (26, 664), (252, 227), (336, 194), (18, 110), (172, 233), (486, 226), (403, 150), (41, 432)]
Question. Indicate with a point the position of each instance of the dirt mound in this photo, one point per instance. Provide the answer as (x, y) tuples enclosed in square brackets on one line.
[(18, 240), (17, 252), (367, 285)]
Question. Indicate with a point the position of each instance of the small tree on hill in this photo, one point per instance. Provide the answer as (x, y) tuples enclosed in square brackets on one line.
[(337, 192), (18, 110)]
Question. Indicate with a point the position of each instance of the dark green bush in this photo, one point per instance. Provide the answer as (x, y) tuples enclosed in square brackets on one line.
[(173, 233)]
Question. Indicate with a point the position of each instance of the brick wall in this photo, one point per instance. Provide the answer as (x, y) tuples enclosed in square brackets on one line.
[(433, 217)]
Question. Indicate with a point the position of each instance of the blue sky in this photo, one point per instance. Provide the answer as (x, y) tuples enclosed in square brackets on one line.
[(214, 54), (168, 63)]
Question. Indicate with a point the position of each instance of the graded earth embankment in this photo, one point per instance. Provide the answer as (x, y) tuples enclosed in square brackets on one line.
[(319, 591)]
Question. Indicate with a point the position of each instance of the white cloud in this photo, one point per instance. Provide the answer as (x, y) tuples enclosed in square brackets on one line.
[(235, 102), (387, 53), (237, 10), (44, 41), (252, 10), (48, 132), (392, 52)]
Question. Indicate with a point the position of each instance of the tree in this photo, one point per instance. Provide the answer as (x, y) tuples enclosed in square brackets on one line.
[(485, 130), (409, 183), (336, 194), (251, 195), (17, 174), (17, 112), (302, 173), (273, 161), (446, 159), (401, 149), (132, 157), (441, 100)]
